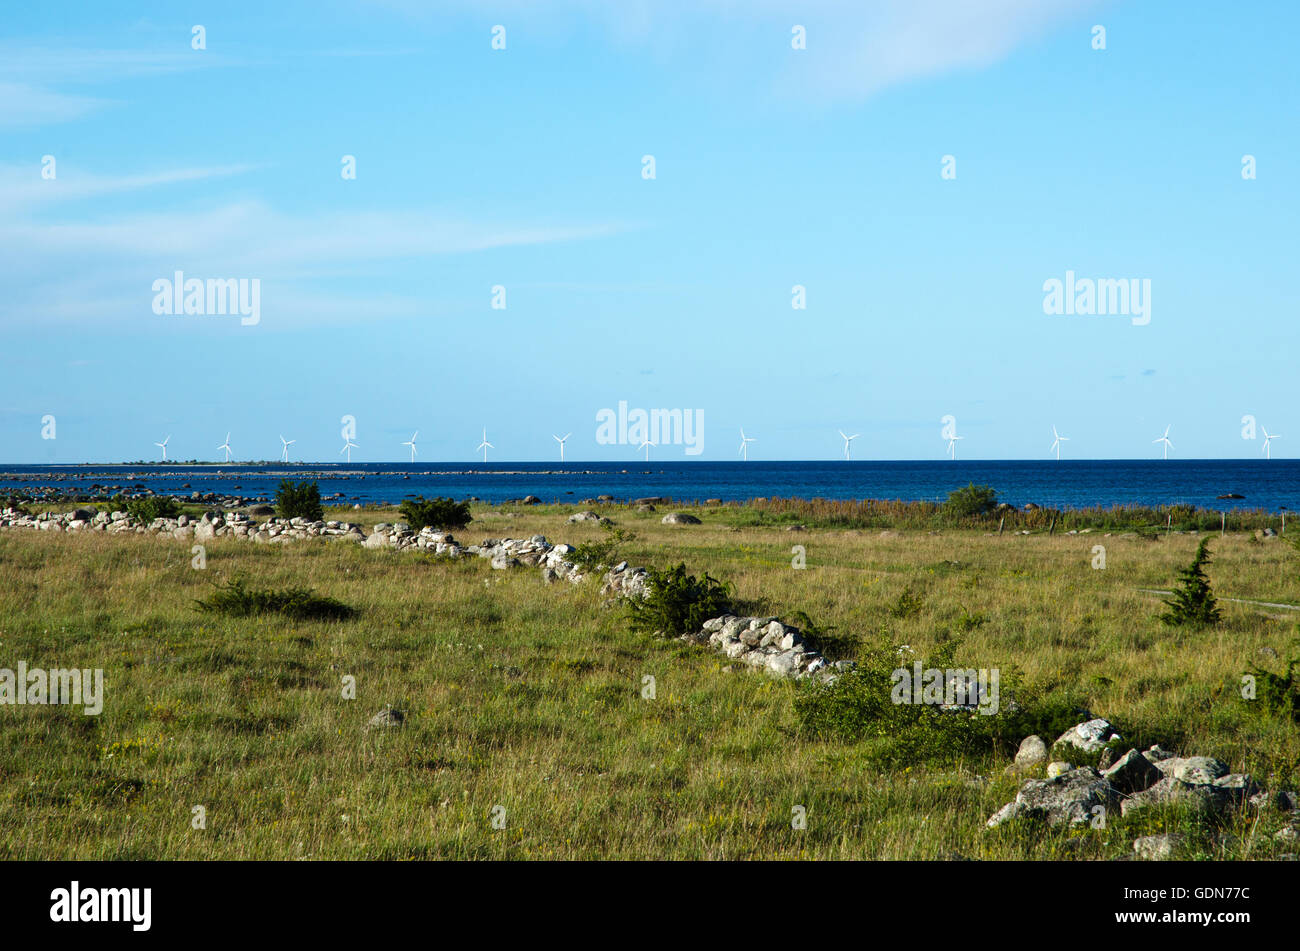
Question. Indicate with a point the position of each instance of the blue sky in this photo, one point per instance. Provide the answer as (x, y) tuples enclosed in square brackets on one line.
[(522, 168)]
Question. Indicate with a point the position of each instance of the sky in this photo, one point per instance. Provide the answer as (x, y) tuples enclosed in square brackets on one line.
[(921, 169)]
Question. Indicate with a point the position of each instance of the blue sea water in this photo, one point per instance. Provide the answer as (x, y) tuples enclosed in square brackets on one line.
[(1265, 484)]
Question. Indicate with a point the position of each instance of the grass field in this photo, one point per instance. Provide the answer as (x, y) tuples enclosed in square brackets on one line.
[(528, 697)]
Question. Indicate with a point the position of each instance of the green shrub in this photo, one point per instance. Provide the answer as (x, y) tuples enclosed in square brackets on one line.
[(909, 604), (860, 705), (147, 509), (824, 639), (298, 500), (678, 603), (236, 599), (971, 500), (1193, 601), (441, 513), (592, 555), (1278, 694)]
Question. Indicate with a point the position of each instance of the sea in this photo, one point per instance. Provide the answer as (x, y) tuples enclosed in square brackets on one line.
[(1269, 484)]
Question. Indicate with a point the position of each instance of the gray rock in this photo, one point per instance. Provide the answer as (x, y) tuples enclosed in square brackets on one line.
[(1090, 737), (1058, 769), (1204, 799), (1032, 752), (1197, 770), (679, 518), (1157, 848), (387, 718), (785, 663), (1133, 773), (1240, 787), (1066, 799)]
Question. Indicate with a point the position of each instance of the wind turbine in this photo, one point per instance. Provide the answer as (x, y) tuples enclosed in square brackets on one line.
[(226, 446), (287, 444), (411, 442), (484, 445), (744, 444), (348, 446), (163, 446), (952, 446), (561, 440), (847, 440), (1267, 439), (1165, 439), (1057, 444), (646, 446)]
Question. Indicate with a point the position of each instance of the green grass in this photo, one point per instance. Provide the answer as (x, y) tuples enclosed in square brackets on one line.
[(529, 696)]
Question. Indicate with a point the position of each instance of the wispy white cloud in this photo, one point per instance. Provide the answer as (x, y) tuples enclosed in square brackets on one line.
[(22, 104), (101, 270), (80, 64), (855, 48), (34, 79), (21, 186)]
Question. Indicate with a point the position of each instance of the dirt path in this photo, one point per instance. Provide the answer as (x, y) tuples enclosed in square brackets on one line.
[(1262, 604)]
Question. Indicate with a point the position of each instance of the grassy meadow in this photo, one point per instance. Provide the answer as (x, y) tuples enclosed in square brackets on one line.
[(528, 697)]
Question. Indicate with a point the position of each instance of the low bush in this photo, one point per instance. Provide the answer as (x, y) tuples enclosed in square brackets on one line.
[(298, 500), (861, 705), (1278, 694), (678, 603), (147, 509), (236, 599), (823, 638), (971, 500), (590, 556), (909, 604), (444, 514)]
